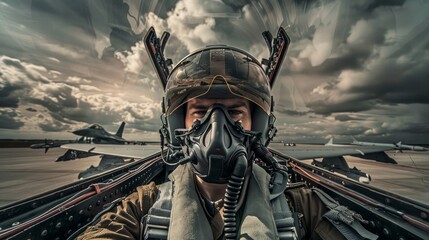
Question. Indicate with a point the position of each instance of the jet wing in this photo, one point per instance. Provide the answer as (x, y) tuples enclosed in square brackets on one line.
[(118, 150), (299, 152), (314, 151)]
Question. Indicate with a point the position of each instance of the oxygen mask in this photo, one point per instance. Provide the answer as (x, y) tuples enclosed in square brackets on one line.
[(215, 143)]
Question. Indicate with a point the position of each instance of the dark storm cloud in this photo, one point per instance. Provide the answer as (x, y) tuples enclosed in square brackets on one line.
[(346, 117), (356, 65), (382, 78), (320, 129), (195, 24), (53, 126), (381, 3), (10, 119), (7, 99), (67, 105), (384, 81), (49, 37), (345, 39), (145, 120), (31, 109), (15, 79), (291, 112), (55, 97)]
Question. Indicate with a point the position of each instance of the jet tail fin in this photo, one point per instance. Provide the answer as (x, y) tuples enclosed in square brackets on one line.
[(331, 142), (120, 130), (354, 139)]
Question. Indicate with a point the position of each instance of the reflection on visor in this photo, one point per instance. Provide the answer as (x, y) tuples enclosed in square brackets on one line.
[(227, 73)]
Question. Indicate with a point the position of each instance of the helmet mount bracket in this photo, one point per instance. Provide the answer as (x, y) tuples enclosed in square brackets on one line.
[(155, 48), (277, 47)]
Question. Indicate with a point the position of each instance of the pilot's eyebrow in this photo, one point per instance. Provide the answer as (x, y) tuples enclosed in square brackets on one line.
[(198, 106), (239, 104), (202, 106)]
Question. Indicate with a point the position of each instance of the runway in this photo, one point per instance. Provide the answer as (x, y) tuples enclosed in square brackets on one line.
[(26, 172), (408, 178)]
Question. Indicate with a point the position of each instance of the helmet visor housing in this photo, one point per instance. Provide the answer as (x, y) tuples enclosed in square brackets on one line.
[(222, 72)]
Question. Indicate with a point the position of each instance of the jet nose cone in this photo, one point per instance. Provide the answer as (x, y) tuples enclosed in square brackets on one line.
[(79, 132)]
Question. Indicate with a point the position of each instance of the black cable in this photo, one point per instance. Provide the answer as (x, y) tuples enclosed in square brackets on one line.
[(267, 157), (232, 194)]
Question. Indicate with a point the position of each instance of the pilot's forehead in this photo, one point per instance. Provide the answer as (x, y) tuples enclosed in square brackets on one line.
[(207, 102)]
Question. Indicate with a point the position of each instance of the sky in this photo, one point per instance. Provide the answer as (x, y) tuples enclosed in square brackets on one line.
[(354, 68)]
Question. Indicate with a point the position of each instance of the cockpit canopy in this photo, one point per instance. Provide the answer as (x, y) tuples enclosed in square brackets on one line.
[(95, 126)]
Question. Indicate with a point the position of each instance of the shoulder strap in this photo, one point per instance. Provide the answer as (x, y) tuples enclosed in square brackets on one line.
[(157, 220), (345, 220), (282, 214)]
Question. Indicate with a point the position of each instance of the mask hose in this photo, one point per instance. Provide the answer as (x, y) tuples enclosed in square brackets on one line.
[(232, 194)]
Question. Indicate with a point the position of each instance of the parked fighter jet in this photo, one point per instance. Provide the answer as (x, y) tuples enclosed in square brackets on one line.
[(94, 133), (96, 137), (97, 134)]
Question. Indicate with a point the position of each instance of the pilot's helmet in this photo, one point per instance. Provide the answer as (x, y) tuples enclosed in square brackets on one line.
[(218, 72)]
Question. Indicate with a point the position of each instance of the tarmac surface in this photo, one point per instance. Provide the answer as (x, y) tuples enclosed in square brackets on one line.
[(26, 172)]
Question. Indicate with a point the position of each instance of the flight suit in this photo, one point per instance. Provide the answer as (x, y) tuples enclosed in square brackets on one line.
[(255, 215)]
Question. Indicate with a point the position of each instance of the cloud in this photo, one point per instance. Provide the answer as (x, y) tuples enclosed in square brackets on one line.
[(319, 129), (189, 23), (77, 80), (354, 67), (347, 117), (49, 124), (382, 81), (17, 77), (89, 88), (196, 24), (381, 123), (291, 112), (133, 60), (381, 78), (10, 118), (67, 105), (138, 70), (54, 74), (54, 59), (64, 51), (30, 109)]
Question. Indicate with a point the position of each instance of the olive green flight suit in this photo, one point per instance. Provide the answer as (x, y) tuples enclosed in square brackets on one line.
[(256, 220)]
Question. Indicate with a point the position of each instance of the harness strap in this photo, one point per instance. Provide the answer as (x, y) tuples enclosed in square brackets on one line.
[(157, 221), (282, 214), (345, 220)]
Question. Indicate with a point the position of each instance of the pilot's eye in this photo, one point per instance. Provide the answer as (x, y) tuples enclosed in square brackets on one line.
[(199, 114), (233, 113)]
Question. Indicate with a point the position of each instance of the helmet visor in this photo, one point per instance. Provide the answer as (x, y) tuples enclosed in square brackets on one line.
[(218, 73)]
